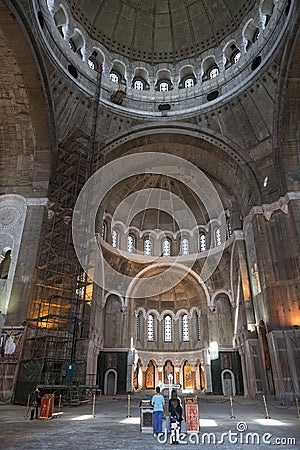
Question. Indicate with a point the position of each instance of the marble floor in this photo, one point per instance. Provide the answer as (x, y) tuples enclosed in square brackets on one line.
[(244, 427)]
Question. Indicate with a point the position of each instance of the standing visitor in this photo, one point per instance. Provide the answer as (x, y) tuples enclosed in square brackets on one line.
[(158, 403), (175, 410)]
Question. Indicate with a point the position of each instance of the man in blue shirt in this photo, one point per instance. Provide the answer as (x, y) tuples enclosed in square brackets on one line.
[(158, 403)]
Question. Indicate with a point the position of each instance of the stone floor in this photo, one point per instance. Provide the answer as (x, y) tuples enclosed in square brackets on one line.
[(110, 428)]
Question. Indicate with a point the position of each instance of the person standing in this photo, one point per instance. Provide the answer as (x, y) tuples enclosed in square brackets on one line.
[(175, 410), (158, 403)]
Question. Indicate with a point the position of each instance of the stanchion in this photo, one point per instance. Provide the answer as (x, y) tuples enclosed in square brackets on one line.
[(298, 411), (59, 405), (128, 405), (37, 403), (231, 406), (94, 401), (28, 406), (266, 408)]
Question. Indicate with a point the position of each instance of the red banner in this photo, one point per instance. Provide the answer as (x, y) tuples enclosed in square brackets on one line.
[(47, 406), (191, 414)]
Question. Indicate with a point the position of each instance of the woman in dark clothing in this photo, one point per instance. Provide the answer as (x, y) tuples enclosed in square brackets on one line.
[(175, 410)]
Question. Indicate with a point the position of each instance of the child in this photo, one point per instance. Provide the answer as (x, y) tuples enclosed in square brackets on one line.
[(158, 403)]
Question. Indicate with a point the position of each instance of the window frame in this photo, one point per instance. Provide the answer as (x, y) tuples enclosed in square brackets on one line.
[(168, 334), (131, 236), (153, 328), (186, 239), (148, 238), (201, 249), (166, 239), (211, 70), (114, 73), (139, 80), (185, 327), (114, 239)]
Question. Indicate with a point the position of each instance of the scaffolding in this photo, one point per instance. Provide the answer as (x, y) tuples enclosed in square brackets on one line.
[(58, 319)]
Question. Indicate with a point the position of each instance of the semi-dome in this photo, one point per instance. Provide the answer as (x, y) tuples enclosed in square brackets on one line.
[(160, 30)]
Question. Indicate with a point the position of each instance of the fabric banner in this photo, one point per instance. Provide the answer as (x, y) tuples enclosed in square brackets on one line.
[(47, 406), (191, 414)]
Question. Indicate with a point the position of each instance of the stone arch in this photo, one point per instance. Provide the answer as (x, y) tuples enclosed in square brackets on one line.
[(193, 276), (228, 383), (222, 323), (110, 382), (189, 140), (113, 322)]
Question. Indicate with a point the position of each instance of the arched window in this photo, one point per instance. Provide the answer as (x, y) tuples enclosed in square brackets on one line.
[(235, 57), (185, 329), (72, 46), (168, 328), (213, 72), (198, 327), (104, 230), (166, 247), (139, 85), (185, 247), (150, 328), (147, 246), (202, 243), (189, 82), (139, 326), (115, 238), (130, 243), (92, 63), (163, 86), (114, 77), (228, 229), (218, 240)]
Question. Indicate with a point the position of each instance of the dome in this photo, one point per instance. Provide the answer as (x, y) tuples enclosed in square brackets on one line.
[(160, 30)]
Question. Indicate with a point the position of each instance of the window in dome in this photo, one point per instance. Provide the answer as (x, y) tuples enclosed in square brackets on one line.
[(236, 57), (202, 242), (218, 240), (163, 86), (139, 85), (130, 243), (189, 82), (139, 326), (256, 35), (147, 247), (72, 46), (198, 327), (167, 328), (228, 229), (115, 239), (114, 77), (185, 247), (150, 328), (213, 72), (166, 247), (185, 328), (91, 63), (103, 230)]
